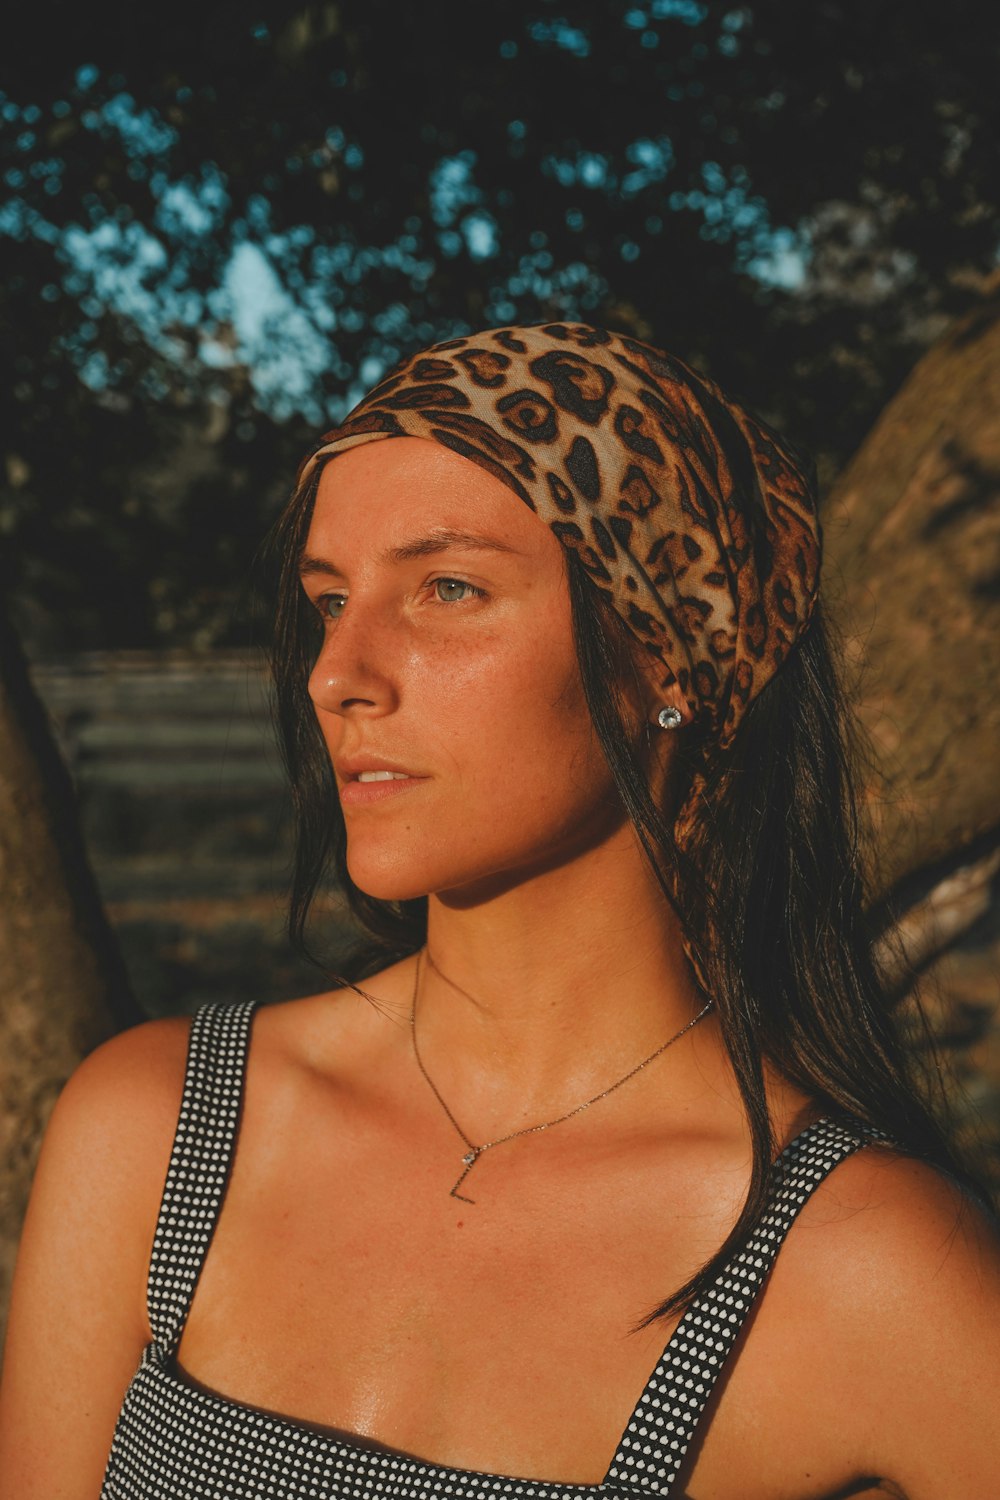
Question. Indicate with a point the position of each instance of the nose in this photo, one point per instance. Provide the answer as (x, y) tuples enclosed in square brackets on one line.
[(353, 669)]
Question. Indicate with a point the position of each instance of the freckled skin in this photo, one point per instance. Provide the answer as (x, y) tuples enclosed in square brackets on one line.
[(482, 696), (336, 1290)]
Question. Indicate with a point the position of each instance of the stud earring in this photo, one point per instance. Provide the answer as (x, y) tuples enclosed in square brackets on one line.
[(669, 718)]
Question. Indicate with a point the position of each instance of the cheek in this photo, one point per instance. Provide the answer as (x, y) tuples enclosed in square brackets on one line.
[(514, 726)]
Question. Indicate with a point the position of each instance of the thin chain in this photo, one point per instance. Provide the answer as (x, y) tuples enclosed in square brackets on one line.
[(475, 1152)]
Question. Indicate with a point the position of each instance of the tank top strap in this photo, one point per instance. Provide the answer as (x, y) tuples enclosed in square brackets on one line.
[(200, 1161), (661, 1427)]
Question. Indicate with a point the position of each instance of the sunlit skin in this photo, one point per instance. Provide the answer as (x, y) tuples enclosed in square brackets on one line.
[(468, 677), (461, 667), (344, 1287)]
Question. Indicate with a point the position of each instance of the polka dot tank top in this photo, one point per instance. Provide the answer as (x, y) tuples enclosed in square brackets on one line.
[(175, 1442)]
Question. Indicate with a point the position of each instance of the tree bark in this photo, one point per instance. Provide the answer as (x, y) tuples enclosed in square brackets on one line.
[(64, 987), (912, 572), (912, 531)]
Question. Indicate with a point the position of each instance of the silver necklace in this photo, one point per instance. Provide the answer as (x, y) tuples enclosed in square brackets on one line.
[(474, 1152)]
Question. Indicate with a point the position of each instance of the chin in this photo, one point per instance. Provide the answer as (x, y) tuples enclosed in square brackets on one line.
[(395, 873), (454, 883), (388, 875)]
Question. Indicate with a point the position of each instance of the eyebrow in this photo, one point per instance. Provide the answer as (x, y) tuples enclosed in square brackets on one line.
[(440, 540)]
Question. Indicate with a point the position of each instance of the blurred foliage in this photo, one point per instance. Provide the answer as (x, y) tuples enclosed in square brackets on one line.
[(221, 223)]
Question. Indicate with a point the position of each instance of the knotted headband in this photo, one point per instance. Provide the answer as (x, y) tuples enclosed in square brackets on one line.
[(692, 516)]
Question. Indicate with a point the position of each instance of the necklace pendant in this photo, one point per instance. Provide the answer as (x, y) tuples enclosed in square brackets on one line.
[(468, 1162)]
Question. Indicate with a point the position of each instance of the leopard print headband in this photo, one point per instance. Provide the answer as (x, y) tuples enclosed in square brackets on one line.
[(692, 516)]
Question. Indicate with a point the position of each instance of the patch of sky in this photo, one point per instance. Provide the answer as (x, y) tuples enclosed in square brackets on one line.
[(393, 321), (193, 207), (481, 236), (48, 170), (572, 289), (455, 201), (20, 222), (293, 241), (142, 132), (257, 213), (323, 298), (500, 309), (94, 370), (279, 343), (781, 259), (328, 261), (558, 32), (114, 264), (731, 212), (652, 160), (687, 11), (452, 188), (589, 169)]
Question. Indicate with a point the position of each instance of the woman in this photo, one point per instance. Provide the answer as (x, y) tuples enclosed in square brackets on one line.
[(557, 707)]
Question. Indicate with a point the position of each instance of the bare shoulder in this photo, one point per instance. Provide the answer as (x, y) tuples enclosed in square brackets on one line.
[(78, 1306), (892, 1221), (108, 1141), (121, 1103), (894, 1269)]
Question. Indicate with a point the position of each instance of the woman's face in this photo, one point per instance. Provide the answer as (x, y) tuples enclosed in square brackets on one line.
[(451, 660)]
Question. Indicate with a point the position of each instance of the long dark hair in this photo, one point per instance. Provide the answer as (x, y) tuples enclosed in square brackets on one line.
[(771, 884)]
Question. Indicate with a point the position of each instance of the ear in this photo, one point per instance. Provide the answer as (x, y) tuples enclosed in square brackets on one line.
[(655, 696), (661, 742), (642, 676)]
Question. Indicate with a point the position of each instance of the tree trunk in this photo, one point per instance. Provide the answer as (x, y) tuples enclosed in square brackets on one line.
[(64, 986), (912, 532), (912, 536)]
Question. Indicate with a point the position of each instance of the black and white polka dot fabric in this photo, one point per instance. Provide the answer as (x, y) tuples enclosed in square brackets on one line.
[(175, 1442)]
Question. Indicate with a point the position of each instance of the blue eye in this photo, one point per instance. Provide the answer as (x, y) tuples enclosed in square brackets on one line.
[(447, 591), (456, 583)]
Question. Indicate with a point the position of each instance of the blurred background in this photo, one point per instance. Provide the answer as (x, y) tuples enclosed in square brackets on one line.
[(221, 223)]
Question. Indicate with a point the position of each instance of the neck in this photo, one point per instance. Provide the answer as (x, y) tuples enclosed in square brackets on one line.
[(545, 990)]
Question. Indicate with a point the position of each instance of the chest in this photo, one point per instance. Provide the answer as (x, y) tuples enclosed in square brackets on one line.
[(350, 1291)]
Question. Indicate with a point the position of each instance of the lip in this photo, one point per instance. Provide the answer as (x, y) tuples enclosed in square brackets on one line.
[(355, 793), (347, 769), (359, 793)]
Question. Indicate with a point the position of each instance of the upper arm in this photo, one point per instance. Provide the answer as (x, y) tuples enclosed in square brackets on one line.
[(77, 1319), (911, 1276)]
